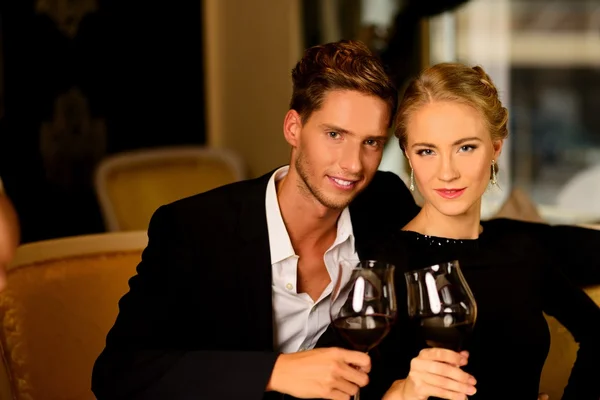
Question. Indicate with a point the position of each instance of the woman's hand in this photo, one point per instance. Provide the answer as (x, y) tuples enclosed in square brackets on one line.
[(435, 372)]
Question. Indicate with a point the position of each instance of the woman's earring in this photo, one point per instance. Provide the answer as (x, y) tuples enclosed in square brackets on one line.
[(412, 180), (494, 181)]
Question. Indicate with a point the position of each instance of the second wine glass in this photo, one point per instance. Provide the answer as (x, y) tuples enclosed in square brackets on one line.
[(442, 304)]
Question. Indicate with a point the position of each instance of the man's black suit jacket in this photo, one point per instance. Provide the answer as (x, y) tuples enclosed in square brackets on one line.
[(197, 321)]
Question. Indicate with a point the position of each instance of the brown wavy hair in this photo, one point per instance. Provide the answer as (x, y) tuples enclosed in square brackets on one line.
[(343, 65)]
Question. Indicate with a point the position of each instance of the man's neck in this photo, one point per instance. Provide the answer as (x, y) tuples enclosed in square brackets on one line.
[(433, 223), (308, 222)]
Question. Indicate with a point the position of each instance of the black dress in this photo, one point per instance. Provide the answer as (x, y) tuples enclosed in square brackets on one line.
[(516, 271)]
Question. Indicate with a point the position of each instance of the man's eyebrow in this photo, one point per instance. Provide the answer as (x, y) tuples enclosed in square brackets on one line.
[(333, 128), (378, 137)]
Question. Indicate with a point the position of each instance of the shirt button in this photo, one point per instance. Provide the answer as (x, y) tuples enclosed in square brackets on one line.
[(289, 286)]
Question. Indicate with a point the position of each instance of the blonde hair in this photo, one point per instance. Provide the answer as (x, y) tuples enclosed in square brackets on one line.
[(453, 82)]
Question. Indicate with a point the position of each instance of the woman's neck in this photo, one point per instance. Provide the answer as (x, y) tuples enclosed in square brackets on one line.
[(433, 223)]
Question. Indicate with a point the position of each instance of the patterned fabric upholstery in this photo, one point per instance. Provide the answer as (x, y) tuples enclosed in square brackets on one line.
[(55, 314)]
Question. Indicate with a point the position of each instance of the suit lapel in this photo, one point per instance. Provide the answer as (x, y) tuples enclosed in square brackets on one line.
[(254, 264)]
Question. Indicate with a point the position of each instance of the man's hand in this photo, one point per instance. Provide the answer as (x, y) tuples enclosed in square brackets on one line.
[(331, 373), (435, 372)]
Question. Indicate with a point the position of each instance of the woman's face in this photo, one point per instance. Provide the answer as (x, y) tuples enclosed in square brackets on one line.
[(450, 151)]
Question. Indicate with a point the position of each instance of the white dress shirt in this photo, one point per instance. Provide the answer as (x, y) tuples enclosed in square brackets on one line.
[(298, 320)]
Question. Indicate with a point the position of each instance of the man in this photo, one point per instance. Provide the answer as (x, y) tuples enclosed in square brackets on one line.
[(232, 294)]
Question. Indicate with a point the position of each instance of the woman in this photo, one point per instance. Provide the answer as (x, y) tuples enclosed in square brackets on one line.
[(451, 126)]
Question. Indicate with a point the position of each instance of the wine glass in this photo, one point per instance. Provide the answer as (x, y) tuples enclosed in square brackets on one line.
[(442, 304), (363, 309)]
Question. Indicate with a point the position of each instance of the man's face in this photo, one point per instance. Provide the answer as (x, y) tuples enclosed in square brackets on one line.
[(337, 150)]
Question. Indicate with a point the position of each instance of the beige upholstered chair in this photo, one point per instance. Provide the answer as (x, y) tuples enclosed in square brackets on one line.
[(61, 300), (563, 350), (131, 186)]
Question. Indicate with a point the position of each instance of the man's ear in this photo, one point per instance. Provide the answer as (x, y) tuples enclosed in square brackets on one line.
[(292, 127)]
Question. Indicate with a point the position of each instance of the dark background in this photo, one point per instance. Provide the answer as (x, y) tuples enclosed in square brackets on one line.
[(136, 71)]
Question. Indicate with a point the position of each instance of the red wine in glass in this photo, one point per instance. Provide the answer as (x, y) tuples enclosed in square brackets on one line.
[(447, 335), (363, 333), (363, 309)]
